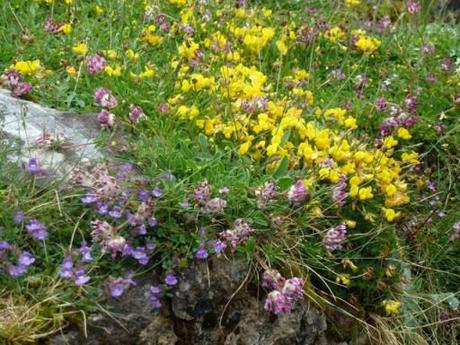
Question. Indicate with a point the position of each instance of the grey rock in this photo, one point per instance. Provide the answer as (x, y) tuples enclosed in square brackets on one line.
[(214, 304), (21, 122)]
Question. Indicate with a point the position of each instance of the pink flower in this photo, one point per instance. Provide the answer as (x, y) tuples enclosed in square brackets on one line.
[(95, 63), (135, 113), (278, 303), (298, 194), (104, 98), (105, 119), (335, 237), (272, 279)]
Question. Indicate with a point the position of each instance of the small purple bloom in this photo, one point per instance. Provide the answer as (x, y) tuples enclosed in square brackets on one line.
[(37, 230), (157, 192), (201, 253), (89, 198), (26, 259), (218, 246), (140, 255), (171, 279), (81, 278), (16, 271), (18, 217), (154, 297), (33, 167)]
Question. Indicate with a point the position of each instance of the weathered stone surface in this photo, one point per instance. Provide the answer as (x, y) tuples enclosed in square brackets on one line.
[(22, 122), (212, 304)]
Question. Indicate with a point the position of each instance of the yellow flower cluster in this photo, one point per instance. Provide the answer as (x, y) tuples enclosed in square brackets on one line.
[(28, 67)]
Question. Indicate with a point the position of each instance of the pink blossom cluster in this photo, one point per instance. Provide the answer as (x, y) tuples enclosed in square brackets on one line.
[(12, 80), (104, 98), (286, 292), (335, 237), (239, 234)]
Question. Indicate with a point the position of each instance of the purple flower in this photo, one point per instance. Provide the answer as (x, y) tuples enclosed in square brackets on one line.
[(66, 270), (272, 279), (16, 270), (456, 234), (157, 192), (116, 212), (33, 167), (21, 89), (384, 22), (135, 113), (201, 253), (104, 98), (81, 278), (52, 27), (140, 255), (37, 230), (427, 49), (89, 198), (293, 289), (215, 205), (298, 194), (96, 64), (202, 193), (266, 194), (171, 279), (239, 234), (154, 295), (26, 259), (118, 286), (85, 252), (105, 119), (413, 7), (277, 303), (339, 193), (410, 102), (335, 237), (18, 217), (152, 222), (143, 195), (380, 104), (218, 246)]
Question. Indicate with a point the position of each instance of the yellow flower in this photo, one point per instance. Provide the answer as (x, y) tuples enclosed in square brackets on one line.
[(410, 157), (245, 147), (99, 9), (113, 71), (404, 134), (390, 214), (71, 71), (282, 48), (365, 193), (343, 279), (28, 67), (367, 45), (351, 3), (132, 54), (350, 122), (178, 2), (335, 34), (111, 54), (80, 48), (66, 28), (391, 307)]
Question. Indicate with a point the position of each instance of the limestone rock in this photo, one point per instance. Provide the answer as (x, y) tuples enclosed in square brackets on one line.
[(22, 122)]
